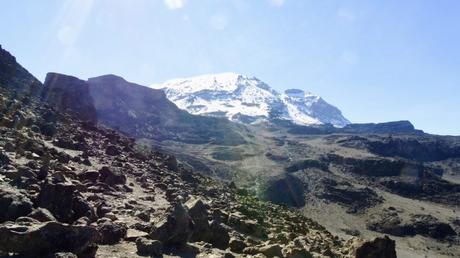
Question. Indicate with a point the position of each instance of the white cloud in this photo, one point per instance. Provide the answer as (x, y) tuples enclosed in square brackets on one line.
[(175, 4), (276, 3)]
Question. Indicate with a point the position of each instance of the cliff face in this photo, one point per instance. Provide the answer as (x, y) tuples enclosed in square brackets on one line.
[(69, 94)]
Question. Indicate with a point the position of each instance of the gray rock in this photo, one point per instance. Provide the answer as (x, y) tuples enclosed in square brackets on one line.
[(42, 215), (149, 247), (237, 245), (176, 229), (220, 236), (110, 233), (4, 160), (13, 204), (199, 214), (44, 238), (111, 176), (379, 248), (63, 202)]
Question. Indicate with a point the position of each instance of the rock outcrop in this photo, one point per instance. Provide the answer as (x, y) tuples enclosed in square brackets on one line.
[(69, 94)]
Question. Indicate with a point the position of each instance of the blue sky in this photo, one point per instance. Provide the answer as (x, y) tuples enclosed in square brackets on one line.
[(376, 60)]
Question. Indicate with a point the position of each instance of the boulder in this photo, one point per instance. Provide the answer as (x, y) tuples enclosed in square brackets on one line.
[(89, 175), (111, 176), (237, 245), (378, 248), (63, 202), (149, 247), (39, 239), (246, 226), (270, 251), (110, 233), (298, 252), (42, 215), (176, 229), (4, 160), (199, 214), (171, 163), (219, 235), (112, 150), (13, 204)]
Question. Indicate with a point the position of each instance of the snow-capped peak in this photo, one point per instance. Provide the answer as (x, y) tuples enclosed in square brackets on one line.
[(247, 99)]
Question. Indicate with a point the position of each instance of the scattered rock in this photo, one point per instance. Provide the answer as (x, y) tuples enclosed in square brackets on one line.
[(389, 222)]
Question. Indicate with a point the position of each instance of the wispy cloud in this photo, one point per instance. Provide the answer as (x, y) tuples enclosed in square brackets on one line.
[(276, 3), (175, 4), (72, 19)]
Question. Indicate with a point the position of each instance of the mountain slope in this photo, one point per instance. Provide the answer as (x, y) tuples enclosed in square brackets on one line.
[(69, 188), (14, 76), (247, 100), (147, 113)]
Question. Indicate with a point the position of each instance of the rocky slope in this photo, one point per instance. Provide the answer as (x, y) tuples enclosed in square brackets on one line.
[(248, 100), (71, 188), (16, 77)]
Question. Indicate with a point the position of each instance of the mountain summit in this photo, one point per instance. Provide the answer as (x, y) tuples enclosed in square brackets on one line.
[(248, 100)]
